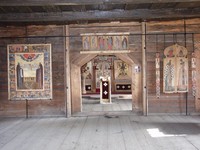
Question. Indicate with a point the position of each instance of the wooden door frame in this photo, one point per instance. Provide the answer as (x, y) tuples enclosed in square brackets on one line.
[(75, 76)]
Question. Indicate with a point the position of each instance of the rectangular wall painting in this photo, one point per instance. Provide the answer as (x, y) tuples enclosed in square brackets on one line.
[(29, 75)]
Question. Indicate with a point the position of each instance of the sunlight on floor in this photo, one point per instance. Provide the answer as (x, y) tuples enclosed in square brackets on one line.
[(156, 133)]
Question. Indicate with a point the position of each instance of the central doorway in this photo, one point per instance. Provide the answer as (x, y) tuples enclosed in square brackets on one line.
[(120, 74)]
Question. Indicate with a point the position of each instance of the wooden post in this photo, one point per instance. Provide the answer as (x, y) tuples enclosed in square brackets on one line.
[(67, 75), (144, 84), (76, 86), (186, 94), (83, 77), (26, 109)]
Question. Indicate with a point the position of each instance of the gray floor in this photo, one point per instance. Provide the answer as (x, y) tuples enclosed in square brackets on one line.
[(116, 105), (91, 103), (117, 132)]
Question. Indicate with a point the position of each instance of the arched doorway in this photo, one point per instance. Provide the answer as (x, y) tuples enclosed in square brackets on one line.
[(76, 88), (119, 73)]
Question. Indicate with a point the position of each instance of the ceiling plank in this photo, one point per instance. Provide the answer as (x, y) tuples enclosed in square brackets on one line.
[(141, 14), (83, 2)]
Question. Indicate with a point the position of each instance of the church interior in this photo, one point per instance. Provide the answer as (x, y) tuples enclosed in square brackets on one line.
[(103, 68)]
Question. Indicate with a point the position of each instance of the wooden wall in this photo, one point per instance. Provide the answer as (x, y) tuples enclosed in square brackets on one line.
[(169, 33), (159, 36), (54, 107), (197, 53)]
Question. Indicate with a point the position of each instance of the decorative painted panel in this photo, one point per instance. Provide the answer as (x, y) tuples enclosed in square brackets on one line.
[(103, 68), (105, 41), (123, 87), (29, 75), (175, 69), (169, 75), (157, 63), (194, 82), (122, 70), (86, 70)]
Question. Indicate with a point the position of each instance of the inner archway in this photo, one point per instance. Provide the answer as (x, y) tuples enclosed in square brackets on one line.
[(76, 86), (119, 73)]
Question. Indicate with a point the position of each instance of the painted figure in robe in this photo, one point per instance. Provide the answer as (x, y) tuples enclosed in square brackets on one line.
[(182, 79), (20, 76), (169, 75)]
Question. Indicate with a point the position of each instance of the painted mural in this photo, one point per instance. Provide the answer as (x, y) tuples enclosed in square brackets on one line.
[(103, 68), (86, 70), (105, 41), (175, 69), (29, 75), (122, 70), (106, 66)]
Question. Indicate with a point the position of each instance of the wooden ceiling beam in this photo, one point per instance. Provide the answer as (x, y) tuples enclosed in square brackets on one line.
[(140, 14), (83, 2)]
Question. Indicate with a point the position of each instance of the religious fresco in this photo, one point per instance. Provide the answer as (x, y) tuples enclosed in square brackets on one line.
[(169, 75), (175, 69), (103, 41), (106, 66), (29, 75), (102, 68), (122, 70), (93, 42), (86, 70), (86, 43)]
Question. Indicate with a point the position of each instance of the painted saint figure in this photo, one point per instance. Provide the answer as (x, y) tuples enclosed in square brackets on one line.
[(39, 76), (110, 42), (93, 42), (169, 70), (117, 43), (86, 43), (182, 82), (101, 43), (20, 76), (124, 43)]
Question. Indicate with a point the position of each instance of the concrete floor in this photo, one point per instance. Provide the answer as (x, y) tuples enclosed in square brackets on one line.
[(102, 132)]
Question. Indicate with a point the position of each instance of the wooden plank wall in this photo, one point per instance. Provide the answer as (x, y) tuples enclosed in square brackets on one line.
[(159, 36), (197, 52), (169, 33), (54, 107)]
